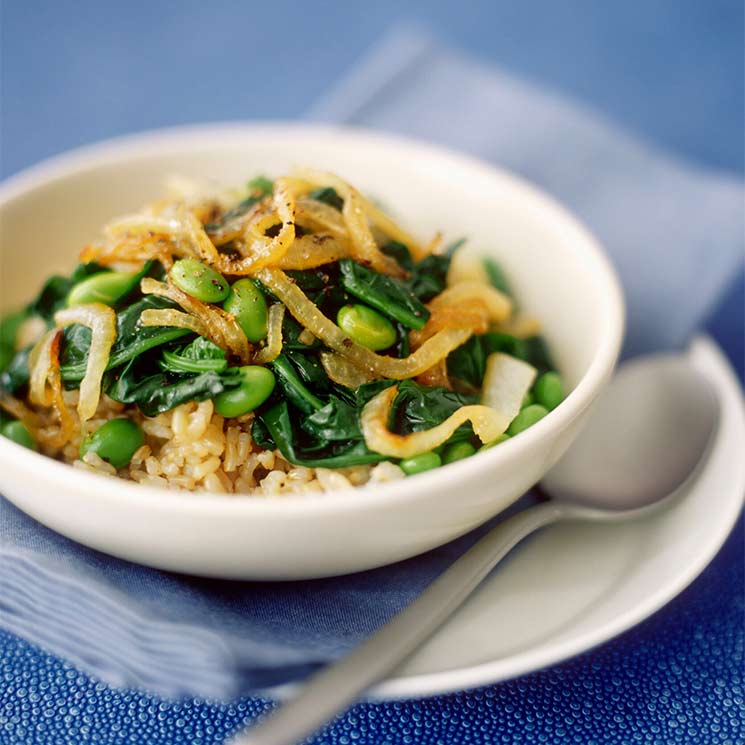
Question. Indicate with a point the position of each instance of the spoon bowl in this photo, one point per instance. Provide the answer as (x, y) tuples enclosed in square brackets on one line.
[(647, 431)]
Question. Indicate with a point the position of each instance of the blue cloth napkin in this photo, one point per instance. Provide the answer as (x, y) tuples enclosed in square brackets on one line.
[(673, 231)]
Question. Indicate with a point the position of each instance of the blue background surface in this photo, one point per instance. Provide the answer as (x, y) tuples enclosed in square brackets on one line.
[(670, 71)]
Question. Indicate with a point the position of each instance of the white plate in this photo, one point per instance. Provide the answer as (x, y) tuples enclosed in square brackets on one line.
[(573, 587)]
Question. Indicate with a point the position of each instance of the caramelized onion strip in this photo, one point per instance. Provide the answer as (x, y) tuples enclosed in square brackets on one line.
[(487, 424), (220, 327), (273, 335), (308, 315), (101, 320), (379, 218)]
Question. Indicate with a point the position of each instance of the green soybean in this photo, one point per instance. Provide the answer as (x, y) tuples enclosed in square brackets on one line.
[(103, 287), (199, 280), (549, 390), (526, 418), (528, 400), (499, 438), (246, 302), (18, 432), (115, 442), (366, 327), (420, 463), (457, 451), (257, 384)]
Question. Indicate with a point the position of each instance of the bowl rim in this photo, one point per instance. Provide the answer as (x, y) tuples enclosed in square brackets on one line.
[(121, 149)]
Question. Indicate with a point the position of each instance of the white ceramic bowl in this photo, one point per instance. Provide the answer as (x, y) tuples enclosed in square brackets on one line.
[(556, 268)]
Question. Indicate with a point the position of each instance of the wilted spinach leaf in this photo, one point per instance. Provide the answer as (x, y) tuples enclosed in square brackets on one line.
[(535, 351), (291, 330), (400, 253), (390, 296), (309, 368), (161, 392), (467, 363), (328, 195), (402, 348), (418, 407), (496, 276), (310, 281), (132, 339), (51, 297), (199, 356), (279, 426), (429, 276), (337, 420), (260, 435), (322, 287), (293, 387), (16, 375), (368, 391)]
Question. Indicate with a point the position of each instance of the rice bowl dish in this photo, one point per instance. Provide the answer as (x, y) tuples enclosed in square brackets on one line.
[(282, 337)]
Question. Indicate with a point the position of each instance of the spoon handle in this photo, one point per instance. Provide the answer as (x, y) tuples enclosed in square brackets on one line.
[(340, 684)]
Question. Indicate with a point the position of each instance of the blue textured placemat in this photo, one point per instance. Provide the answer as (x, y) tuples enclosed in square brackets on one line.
[(676, 678)]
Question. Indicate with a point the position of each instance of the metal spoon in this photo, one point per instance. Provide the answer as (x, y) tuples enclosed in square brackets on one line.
[(645, 438)]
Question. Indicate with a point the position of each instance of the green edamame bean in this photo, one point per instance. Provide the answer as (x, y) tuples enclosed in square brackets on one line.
[(115, 442), (246, 302), (549, 390), (199, 280), (457, 451), (420, 463), (366, 327), (256, 386), (18, 432), (528, 400), (526, 418), (103, 287), (488, 445)]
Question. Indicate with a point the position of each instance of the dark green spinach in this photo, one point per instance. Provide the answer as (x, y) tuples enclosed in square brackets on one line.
[(390, 296), (418, 407), (328, 195), (309, 368), (429, 276), (132, 339), (159, 392), (279, 428), (467, 363), (337, 420), (51, 297), (199, 356), (497, 277), (16, 375), (400, 252), (293, 387)]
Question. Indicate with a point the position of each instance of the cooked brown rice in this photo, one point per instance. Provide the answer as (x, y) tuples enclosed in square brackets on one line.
[(193, 448)]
